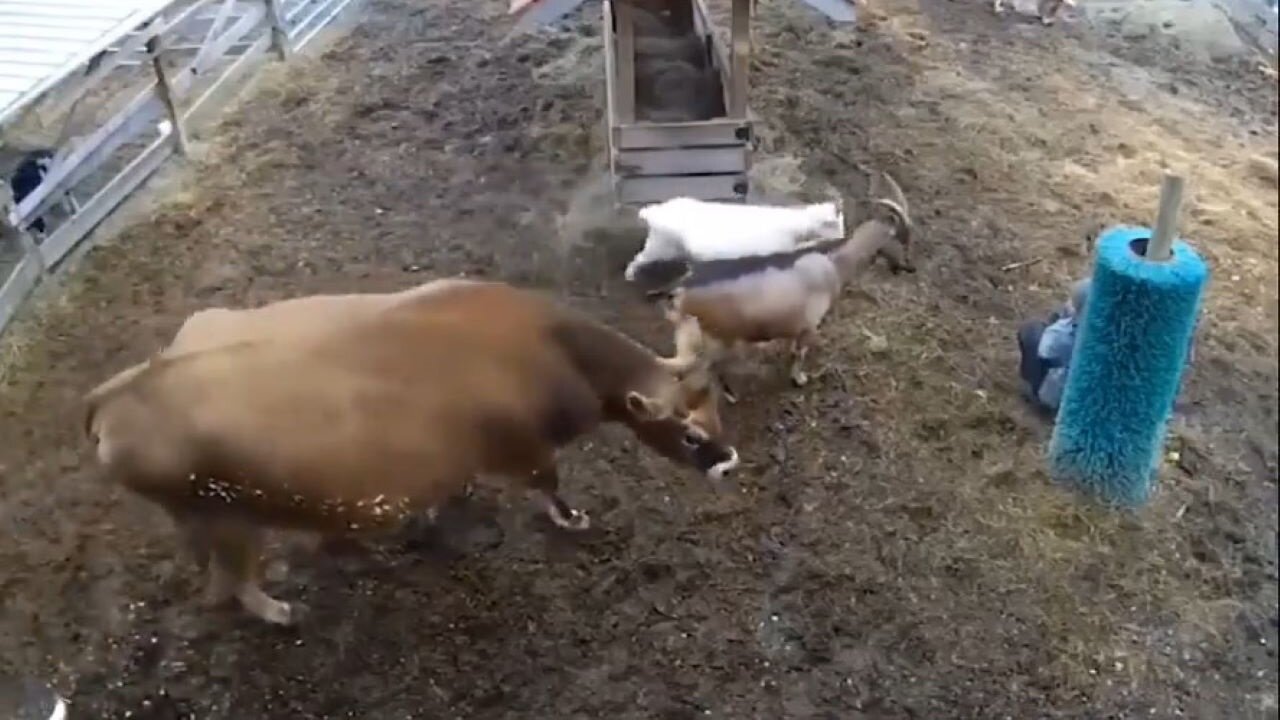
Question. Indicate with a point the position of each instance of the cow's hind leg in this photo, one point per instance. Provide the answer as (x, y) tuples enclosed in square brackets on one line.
[(545, 481), (237, 556), (799, 352)]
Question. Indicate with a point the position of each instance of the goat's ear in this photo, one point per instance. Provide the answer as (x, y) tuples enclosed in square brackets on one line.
[(645, 408)]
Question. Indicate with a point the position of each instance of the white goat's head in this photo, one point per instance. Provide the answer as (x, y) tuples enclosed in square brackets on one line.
[(827, 219)]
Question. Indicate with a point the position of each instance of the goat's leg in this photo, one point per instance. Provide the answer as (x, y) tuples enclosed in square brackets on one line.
[(237, 555), (545, 482), (898, 257), (1048, 11), (799, 351)]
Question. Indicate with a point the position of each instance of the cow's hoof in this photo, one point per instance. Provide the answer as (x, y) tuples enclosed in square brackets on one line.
[(277, 571), (577, 521), (284, 614)]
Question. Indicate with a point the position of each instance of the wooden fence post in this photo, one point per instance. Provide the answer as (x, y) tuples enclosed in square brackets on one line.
[(155, 48), (279, 33)]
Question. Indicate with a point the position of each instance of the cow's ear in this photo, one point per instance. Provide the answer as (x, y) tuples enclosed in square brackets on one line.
[(642, 407)]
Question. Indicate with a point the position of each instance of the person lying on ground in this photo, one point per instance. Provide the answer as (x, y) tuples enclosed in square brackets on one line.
[(1046, 347)]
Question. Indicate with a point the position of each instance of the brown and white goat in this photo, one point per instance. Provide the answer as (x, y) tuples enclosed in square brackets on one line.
[(724, 304), (352, 427)]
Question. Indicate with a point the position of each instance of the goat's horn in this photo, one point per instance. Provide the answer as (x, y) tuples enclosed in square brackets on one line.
[(893, 193)]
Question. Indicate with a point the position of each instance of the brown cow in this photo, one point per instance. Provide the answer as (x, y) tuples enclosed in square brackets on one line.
[(352, 427)]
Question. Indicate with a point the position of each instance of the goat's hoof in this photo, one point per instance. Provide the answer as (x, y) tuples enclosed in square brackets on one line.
[(799, 378), (730, 396)]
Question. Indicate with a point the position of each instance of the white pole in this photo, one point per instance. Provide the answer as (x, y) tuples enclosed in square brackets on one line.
[(1161, 243)]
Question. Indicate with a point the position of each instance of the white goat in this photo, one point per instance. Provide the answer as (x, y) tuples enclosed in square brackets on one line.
[(722, 304), (1047, 10), (685, 229)]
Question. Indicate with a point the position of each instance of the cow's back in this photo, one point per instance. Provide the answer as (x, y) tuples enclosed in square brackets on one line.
[(216, 327)]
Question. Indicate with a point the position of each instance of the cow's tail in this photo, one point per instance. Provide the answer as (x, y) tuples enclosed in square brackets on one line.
[(95, 397)]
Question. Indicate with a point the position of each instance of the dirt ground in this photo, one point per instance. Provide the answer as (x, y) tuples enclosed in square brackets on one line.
[(893, 548)]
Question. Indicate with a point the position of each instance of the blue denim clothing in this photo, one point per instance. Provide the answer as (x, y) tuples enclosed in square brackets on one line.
[(1054, 350), (1047, 346)]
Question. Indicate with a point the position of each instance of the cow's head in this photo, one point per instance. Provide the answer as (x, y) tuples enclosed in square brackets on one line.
[(678, 416)]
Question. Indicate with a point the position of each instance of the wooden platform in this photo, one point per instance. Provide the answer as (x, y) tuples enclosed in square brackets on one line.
[(650, 160)]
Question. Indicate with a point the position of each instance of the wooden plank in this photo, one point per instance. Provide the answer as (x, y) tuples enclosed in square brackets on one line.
[(216, 24), (657, 188), (740, 72), (307, 22), (236, 70), (69, 96), (164, 90), (70, 233), (212, 52), (610, 116), (45, 31), (21, 281), (681, 161), (143, 119), (188, 13), (54, 181), (625, 61), (713, 133), (719, 56), (279, 33), (337, 7), (291, 13)]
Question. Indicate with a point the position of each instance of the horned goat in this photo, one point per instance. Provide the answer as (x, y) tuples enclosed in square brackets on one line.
[(722, 305)]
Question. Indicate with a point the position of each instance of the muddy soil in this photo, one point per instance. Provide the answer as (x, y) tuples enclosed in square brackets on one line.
[(892, 549)]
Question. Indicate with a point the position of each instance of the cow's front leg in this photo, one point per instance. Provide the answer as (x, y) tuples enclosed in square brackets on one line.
[(545, 482), (237, 563)]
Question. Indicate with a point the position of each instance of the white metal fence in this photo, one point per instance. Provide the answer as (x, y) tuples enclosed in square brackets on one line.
[(126, 110)]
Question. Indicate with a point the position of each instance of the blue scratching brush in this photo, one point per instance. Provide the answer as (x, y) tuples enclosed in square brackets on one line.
[(1128, 363)]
